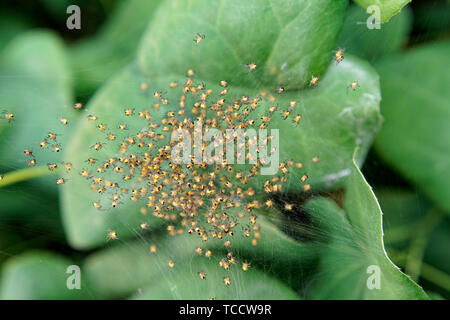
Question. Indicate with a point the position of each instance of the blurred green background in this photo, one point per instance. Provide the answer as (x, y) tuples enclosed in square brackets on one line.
[(408, 165)]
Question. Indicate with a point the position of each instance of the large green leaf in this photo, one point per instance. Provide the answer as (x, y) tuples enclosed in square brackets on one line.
[(275, 253), (35, 86), (373, 44), (85, 225), (356, 244), (416, 107), (388, 8), (288, 40), (38, 275)]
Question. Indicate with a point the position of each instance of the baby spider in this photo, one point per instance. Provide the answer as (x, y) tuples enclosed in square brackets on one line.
[(339, 52), (78, 106), (288, 207), (97, 205), (158, 94), (144, 86), (285, 114), (67, 165), (227, 281), (91, 160), (43, 143), (202, 275), (199, 38), (56, 148), (144, 225), (245, 266)]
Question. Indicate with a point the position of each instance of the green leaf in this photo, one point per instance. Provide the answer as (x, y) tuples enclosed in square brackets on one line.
[(388, 8), (85, 225), (278, 255), (356, 243), (11, 24), (287, 40), (185, 284), (35, 86), (38, 275), (373, 44), (416, 110), (96, 59)]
